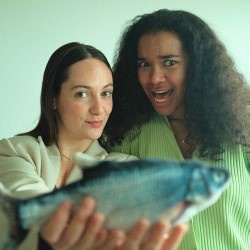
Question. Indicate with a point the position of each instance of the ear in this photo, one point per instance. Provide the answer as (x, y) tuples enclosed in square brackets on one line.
[(54, 103)]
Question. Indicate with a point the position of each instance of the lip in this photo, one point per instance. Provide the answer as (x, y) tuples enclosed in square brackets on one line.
[(163, 101), (95, 124)]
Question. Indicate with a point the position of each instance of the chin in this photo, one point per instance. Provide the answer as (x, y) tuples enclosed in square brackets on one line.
[(162, 112), (95, 136)]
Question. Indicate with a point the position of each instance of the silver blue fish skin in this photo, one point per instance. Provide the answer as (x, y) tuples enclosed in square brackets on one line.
[(126, 192)]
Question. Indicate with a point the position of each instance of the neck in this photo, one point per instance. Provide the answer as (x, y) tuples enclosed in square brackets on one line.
[(67, 157), (68, 148), (177, 115)]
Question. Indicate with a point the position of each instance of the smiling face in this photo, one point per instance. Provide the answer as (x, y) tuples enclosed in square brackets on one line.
[(85, 101), (162, 65)]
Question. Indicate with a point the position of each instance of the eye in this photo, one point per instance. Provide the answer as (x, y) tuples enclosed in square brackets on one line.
[(107, 93), (169, 63), (219, 177), (142, 64), (81, 94)]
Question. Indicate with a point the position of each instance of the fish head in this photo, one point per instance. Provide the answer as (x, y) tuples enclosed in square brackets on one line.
[(206, 182), (206, 185)]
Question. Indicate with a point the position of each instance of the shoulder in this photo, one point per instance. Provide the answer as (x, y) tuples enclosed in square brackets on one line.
[(98, 152), (27, 166), (19, 143), (152, 139), (24, 146), (20, 138), (156, 124)]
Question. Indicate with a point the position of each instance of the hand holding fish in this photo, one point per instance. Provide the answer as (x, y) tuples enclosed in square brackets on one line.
[(62, 231), (145, 236), (84, 232)]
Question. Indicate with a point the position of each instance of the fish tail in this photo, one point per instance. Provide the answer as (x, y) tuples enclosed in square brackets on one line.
[(12, 234)]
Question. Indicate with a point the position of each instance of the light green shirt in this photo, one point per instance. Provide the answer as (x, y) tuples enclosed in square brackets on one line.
[(226, 224)]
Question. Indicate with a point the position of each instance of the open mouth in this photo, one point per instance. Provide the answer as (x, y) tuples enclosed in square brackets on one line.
[(162, 96)]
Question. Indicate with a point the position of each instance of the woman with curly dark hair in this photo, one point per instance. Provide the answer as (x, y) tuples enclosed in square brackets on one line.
[(177, 94)]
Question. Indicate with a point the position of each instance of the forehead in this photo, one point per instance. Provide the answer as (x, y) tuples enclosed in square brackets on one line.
[(89, 72), (159, 43), (88, 66)]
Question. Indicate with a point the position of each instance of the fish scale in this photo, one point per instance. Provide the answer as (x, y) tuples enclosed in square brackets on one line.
[(118, 184)]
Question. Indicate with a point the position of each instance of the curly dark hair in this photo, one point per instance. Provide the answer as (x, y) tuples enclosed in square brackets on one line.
[(216, 97)]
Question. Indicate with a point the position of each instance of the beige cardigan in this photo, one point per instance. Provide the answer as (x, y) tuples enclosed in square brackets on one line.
[(29, 168)]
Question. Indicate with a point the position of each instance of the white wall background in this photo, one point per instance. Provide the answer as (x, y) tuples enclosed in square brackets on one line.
[(30, 31)]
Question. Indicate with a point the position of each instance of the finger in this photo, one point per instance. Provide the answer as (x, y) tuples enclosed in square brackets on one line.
[(155, 237), (114, 240), (136, 235), (174, 239), (89, 236), (77, 224), (101, 238), (52, 229)]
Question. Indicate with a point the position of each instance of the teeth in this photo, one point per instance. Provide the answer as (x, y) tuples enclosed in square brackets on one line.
[(160, 92), (161, 95)]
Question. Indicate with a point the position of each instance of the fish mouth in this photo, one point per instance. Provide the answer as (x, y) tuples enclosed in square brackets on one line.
[(174, 213), (162, 95), (180, 215)]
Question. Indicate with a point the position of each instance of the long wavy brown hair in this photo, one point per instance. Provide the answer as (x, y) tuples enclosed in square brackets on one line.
[(55, 74), (216, 97)]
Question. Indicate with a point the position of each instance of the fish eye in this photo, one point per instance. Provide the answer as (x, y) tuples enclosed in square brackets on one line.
[(219, 176)]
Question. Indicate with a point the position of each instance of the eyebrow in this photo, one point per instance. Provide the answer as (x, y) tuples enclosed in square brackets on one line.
[(89, 87), (161, 57), (169, 56)]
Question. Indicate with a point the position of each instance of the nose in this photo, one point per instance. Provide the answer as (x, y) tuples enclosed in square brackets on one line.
[(157, 75), (96, 107)]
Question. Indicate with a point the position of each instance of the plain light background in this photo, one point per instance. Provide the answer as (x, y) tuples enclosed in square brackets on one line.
[(31, 30)]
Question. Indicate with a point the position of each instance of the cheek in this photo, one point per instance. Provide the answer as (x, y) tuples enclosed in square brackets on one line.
[(179, 78), (75, 110), (142, 77), (109, 107)]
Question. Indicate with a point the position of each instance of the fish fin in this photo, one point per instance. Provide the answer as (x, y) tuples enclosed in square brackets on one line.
[(85, 161), (13, 234)]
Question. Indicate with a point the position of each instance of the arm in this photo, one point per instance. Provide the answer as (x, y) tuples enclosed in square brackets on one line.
[(21, 166)]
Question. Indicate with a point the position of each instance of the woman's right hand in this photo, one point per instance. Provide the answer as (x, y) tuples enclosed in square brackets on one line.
[(79, 230), (84, 231)]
